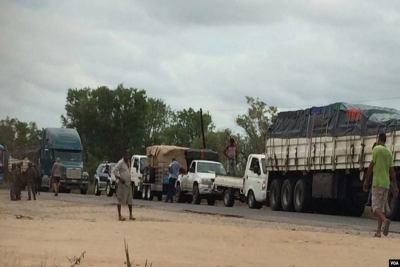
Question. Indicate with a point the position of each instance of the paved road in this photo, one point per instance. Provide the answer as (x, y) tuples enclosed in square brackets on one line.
[(265, 214)]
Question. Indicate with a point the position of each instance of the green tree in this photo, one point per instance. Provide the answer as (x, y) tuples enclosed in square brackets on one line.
[(109, 121), (255, 124), (185, 127), (15, 133)]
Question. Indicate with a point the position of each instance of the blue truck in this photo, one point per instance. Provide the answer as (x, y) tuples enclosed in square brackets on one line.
[(63, 143), (3, 162)]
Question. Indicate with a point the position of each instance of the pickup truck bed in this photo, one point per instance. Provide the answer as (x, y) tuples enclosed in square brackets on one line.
[(228, 181)]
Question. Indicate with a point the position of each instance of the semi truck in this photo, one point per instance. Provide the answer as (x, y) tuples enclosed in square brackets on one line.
[(317, 158), (63, 143)]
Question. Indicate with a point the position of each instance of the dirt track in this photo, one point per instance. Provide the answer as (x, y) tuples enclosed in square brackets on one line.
[(60, 229)]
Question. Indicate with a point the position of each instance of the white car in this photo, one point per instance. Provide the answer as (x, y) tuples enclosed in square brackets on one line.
[(103, 179)]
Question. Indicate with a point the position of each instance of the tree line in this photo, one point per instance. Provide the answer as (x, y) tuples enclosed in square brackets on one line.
[(110, 121)]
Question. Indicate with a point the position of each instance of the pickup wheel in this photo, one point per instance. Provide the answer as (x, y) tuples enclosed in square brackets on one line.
[(229, 199), (109, 190), (211, 200), (178, 194), (252, 202), (287, 194), (144, 192), (302, 196), (97, 192), (196, 195), (275, 200)]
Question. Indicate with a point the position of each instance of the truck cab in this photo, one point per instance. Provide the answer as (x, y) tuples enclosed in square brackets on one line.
[(138, 163), (255, 181)]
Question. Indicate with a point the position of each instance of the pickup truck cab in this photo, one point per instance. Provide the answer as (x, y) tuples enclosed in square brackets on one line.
[(252, 188), (138, 163), (198, 182)]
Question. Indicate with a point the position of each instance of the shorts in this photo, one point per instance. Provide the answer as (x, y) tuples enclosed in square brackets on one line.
[(379, 198), (124, 194), (56, 179)]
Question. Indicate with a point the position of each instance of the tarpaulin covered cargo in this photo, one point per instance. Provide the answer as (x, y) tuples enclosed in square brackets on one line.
[(161, 156), (338, 119), (200, 154)]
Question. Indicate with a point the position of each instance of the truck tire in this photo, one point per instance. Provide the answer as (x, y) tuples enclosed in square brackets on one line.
[(211, 200), (196, 195), (252, 202), (150, 194), (302, 196), (178, 194), (109, 190), (275, 200), (97, 191), (287, 194), (144, 192), (392, 207), (229, 199)]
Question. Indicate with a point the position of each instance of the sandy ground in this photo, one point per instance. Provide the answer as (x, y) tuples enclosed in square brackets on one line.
[(57, 229)]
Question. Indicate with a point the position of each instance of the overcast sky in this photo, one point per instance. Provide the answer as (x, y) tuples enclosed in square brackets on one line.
[(200, 54)]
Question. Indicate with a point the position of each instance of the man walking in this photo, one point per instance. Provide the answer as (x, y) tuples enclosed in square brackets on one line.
[(230, 153), (56, 173), (174, 169), (122, 172), (382, 168), (30, 181)]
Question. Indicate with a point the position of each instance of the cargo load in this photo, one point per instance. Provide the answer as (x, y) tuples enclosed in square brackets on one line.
[(338, 119)]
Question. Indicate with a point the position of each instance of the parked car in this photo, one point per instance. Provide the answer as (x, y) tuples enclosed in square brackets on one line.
[(103, 180)]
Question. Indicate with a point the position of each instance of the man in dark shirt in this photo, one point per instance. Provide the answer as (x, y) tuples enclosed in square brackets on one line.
[(30, 180)]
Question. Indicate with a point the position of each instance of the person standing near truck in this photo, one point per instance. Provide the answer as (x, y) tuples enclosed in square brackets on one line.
[(122, 172), (174, 169), (30, 181), (230, 153), (383, 170), (56, 173), (16, 187)]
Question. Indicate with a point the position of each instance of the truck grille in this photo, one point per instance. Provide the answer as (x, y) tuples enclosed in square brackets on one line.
[(74, 173)]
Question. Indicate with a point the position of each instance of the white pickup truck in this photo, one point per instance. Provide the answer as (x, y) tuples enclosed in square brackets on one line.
[(252, 188), (197, 183), (138, 163)]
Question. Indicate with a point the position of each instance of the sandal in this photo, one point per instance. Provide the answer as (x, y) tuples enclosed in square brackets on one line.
[(386, 228), (132, 218), (121, 218), (377, 235)]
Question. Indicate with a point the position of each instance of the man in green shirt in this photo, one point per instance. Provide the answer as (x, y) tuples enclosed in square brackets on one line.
[(383, 170)]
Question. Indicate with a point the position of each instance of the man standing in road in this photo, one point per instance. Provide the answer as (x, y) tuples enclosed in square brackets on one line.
[(382, 168), (122, 172), (230, 153), (30, 181), (174, 169), (56, 173)]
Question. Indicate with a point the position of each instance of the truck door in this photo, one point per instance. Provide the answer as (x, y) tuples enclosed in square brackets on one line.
[(252, 180), (135, 170), (190, 176)]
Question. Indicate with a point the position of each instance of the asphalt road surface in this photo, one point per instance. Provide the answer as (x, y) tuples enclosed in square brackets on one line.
[(265, 214)]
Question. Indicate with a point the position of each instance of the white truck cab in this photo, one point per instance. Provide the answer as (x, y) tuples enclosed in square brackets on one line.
[(138, 162), (198, 182), (252, 188)]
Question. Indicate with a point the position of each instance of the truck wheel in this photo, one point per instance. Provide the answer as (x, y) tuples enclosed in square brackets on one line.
[(211, 200), (275, 200), (302, 196), (229, 200), (178, 194), (252, 202), (144, 192), (109, 190), (159, 196), (97, 192), (287, 194), (196, 195), (150, 194), (392, 207)]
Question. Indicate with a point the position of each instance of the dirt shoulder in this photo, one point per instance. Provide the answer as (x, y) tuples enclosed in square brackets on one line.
[(52, 230)]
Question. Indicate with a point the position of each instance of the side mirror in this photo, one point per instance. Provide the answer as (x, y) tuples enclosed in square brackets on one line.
[(191, 169)]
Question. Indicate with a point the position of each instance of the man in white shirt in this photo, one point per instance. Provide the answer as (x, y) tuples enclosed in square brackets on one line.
[(122, 172)]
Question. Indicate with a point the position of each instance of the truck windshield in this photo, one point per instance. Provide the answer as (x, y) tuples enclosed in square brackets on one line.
[(210, 167), (142, 163), (67, 155)]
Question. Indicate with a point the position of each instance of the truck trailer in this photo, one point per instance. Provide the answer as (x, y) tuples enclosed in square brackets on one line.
[(317, 158)]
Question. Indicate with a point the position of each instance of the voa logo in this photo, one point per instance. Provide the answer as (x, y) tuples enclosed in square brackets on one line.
[(394, 263)]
